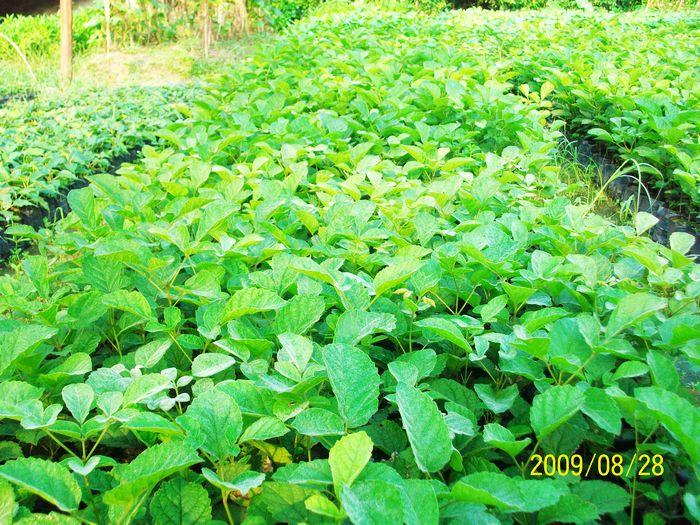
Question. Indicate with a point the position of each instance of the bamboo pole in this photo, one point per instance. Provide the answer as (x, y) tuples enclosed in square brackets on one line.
[(66, 42)]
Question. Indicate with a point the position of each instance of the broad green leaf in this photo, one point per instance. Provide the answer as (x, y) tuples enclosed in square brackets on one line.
[(553, 408), (644, 221), (420, 502), (318, 422), (680, 417), (663, 371), (489, 488), (394, 274), (606, 496), (632, 309), (296, 350), (217, 417), (500, 437), (243, 482), (144, 387), (354, 325), (426, 428), (348, 457), (498, 401), (300, 314), (602, 409), (37, 270), (178, 502), (79, 399), (152, 352), (314, 474), (132, 302), (209, 364), (569, 509), (446, 330), (20, 340), (263, 429), (372, 502), (149, 467), (323, 506), (250, 301), (7, 502), (355, 383), (509, 494), (681, 242), (491, 309), (46, 479), (213, 216), (284, 502)]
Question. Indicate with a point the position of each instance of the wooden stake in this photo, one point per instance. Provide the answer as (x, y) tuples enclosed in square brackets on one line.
[(205, 27), (66, 42), (108, 26)]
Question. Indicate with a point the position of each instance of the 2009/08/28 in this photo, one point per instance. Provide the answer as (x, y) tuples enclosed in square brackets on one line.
[(599, 465)]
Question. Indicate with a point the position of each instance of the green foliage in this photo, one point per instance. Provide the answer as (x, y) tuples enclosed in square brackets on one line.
[(38, 36), (278, 14), (49, 143), (364, 298)]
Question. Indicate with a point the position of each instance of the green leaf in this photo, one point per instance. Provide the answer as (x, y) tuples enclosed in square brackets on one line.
[(250, 301), (143, 387), (348, 457), (606, 496), (372, 502), (498, 401), (426, 428), (20, 340), (300, 314), (296, 350), (149, 467), (420, 502), (284, 502), (209, 364), (214, 216), (553, 408), (500, 437), (46, 479), (323, 506), (152, 352), (178, 502), (263, 429), (569, 509), (446, 330), (132, 302), (489, 488), (243, 482), (7, 502), (217, 417), (355, 383), (318, 422), (602, 409), (508, 494), (354, 325), (395, 274), (491, 309), (79, 399), (681, 242), (678, 415), (663, 371), (643, 221), (632, 309), (38, 272)]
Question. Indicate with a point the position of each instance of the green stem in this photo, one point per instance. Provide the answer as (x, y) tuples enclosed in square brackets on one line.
[(60, 443)]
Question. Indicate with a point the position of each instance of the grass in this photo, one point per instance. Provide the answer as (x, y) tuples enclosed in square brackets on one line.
[(165, 64)]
